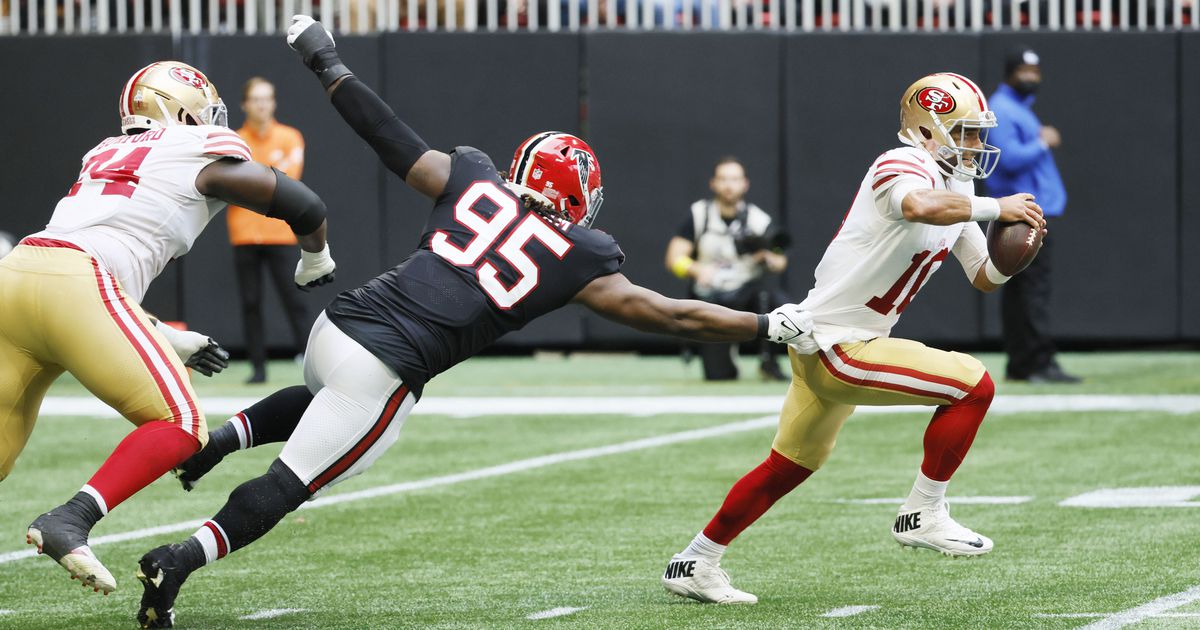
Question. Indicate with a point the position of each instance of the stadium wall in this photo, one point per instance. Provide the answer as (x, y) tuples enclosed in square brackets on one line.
[(807, 113)]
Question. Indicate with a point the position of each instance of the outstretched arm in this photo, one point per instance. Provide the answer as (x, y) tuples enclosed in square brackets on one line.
[(618, 299), (270, 192), (399, 147)]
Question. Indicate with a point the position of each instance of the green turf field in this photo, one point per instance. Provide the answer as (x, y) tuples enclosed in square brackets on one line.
[(593, 530)]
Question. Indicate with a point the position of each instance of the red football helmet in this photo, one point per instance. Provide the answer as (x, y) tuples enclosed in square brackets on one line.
[(560, 170)]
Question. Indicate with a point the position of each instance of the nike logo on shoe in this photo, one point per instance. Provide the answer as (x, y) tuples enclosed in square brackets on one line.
[(977, 543), (908, 522), (680, 568)]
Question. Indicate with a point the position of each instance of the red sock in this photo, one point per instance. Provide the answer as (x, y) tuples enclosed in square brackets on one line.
[(952, 430), (143, 456), (753, 495)]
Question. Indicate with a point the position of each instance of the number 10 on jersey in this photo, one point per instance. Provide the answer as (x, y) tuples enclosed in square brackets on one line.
[(883, 304), (512, 249)]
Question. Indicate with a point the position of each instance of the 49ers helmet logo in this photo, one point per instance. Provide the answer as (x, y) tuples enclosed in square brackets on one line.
[(187, 76), (936, 100)]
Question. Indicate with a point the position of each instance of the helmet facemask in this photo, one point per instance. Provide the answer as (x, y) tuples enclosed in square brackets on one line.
[(956, 155)]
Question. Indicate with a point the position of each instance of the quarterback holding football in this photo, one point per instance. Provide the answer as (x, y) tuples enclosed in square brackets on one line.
[(915, 206)]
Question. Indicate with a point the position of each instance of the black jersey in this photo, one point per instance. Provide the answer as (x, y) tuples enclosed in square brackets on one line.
[(486, 266)]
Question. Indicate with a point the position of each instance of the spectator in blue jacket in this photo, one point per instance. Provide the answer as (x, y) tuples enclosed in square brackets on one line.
[(1027, 165)]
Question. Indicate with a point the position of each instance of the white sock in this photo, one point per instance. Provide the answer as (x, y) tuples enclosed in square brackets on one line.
[(926, 492), (214, 541), (705, 548)]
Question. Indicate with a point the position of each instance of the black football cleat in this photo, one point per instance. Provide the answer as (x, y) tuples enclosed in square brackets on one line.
[(198, 465), (161, 576), (63, 535)]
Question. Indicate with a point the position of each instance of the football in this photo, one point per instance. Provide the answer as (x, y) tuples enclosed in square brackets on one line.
[(1012, 246)]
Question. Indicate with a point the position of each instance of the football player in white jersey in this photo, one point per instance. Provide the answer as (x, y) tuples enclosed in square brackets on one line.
[(915, 206), (71, 292)]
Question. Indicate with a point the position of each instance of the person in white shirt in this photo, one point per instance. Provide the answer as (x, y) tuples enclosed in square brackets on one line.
[(915, 207), (726, 248)]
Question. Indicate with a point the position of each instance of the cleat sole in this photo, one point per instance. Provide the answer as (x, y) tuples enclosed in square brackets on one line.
[(87, 569)]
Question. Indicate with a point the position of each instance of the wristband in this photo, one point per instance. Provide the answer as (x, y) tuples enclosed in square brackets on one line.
[(993, 274), (984, 209), (314, 259), (682, 266), (764, 324)]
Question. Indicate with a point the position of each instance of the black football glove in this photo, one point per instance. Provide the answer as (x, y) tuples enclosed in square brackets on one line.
[(209, 360), (197, 351)]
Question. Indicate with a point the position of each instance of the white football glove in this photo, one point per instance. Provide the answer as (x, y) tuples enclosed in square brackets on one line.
[(197, 351), (315, 269), (299, 24), (788, 323)]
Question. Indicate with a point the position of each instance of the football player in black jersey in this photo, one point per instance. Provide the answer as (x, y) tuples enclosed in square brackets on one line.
[(497, 251)]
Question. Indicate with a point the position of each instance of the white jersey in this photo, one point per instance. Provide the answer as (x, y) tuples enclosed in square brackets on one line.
[(878, 261), (136, 207)]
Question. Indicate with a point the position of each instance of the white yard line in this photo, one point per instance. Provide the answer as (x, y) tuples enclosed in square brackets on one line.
[(465, 407), (1145, 611), (1166, 615), (446, 480), (271, 613), (554, 612), (953, 501), (849, 611), (1143, 497)]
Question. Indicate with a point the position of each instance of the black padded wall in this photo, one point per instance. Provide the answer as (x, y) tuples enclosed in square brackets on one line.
[(662, 108), (1189, 180)]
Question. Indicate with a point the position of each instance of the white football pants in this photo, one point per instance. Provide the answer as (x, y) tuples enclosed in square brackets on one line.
[(356, 414)]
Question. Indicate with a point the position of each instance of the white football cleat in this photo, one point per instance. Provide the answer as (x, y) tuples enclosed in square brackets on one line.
[(702, 580), (932, 528)]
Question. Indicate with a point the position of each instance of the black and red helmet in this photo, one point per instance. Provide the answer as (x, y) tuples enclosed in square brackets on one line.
[(560, 170)]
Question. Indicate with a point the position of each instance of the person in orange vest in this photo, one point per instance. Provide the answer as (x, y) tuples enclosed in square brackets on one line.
[(260, 242)]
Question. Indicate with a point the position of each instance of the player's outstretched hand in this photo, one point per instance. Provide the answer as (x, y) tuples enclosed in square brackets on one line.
[(209, 360), (788, 323), (308, 36), (197, 351), (1021, 208), (315, 269)]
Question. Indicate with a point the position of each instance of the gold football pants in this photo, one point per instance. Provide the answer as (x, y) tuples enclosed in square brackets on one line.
[(827, 386), (59, 310)]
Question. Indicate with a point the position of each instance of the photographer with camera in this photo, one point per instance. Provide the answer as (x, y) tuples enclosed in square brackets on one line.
[(729, 251)]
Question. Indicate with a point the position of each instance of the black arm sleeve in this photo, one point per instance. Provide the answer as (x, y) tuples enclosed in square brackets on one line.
[(397, 146), (296, 204)]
